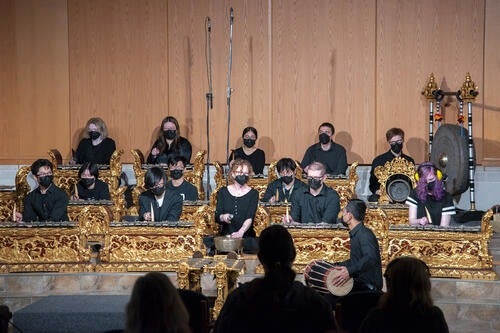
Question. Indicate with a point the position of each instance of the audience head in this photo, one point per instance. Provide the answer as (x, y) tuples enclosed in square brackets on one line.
[(240, 171), (176, 165), (96, 128), (42, 170), (155, 180), (286, 169), (395, 137), (155, 306), (429, 182), (408, 285), (249, 136), (325, 132), (169, 128), (316, 175), (276, 247), (88, 173)]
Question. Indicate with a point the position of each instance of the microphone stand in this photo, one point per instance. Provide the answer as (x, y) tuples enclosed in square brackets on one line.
[(209, 97), (230, 65)]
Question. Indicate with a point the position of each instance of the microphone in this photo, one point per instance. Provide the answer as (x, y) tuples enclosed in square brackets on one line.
[(231, 14)]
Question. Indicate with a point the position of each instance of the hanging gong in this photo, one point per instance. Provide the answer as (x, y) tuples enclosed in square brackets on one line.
[(450, 154)]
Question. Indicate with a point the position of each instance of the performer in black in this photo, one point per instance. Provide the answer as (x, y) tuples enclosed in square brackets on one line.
[(169, 142), (287, 185), (90, 187)]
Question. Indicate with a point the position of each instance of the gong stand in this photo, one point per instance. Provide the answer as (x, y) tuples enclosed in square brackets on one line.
[(467, 93)]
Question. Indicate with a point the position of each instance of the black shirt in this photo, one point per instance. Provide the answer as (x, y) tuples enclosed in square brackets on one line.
[(282, 192), (335, 158), (242, 208), (307, 208), (184, 149), (436, 208), (170, 210), (99, 192), (100, 154), (382, 160), (186, 190), (257, 159), (51, 206), (364, 264)]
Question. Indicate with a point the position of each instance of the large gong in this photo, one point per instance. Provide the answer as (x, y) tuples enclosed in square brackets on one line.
[(450, 154)]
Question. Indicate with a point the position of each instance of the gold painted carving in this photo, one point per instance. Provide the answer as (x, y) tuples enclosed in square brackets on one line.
[(398, 165)]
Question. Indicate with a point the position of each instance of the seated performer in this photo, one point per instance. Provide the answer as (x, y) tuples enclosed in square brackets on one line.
[(395, 138), (96, 146), (275, 302), (177, 183), (407, 305), (47, 202), (169, 142), (157, 204), (331, 154), (316, 203), (286, 186), (89, 187), (429, 202), (237, 205), (249, 152)]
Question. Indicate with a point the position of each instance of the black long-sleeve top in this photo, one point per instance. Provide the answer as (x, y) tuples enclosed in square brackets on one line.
[(283, 193), (170, 210), (257, 159), (184, 150), (307, 208), (51, 206), (99, 192), (242, 208), (334, 159), (100, 154)]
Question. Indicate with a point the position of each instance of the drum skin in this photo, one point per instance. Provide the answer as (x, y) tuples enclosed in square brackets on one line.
[(450, 141)]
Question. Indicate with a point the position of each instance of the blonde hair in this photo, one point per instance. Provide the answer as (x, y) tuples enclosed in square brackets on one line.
[(236, 164), (317, 166), (101, 125)]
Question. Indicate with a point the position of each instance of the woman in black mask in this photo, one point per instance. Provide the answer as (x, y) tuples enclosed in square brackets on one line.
[(237, 205), (95, 147), (249, 152), (169, 143), (157, 204), (89, 187)]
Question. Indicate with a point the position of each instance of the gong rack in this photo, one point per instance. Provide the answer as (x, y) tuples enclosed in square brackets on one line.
[(466, 94)]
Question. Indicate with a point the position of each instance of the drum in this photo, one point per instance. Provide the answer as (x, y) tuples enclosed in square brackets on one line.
[(320, 274)]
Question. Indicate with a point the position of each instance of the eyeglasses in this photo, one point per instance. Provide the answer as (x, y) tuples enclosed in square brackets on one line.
[(315, 178), (44, 174)]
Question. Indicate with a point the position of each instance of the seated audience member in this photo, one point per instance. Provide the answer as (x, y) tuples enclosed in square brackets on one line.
[(47, 202), (407, 305), (237, 205), (157, 204), (286, 186), (89, 187), (331, 154), (177, 183), (169, 143), (316, 203), (429, 202), (156, 307), (249, 152), (96, 146), (395, 138), (275, 302)]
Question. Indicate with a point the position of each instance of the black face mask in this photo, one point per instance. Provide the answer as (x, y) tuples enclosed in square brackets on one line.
[(170, 134), (87, 182), (241, 179), (249, 142), (286, 179), (45, 181), (94, 135), (344, 223), (396, 147), (314, 183), (176, 174), (157, 190), (324, 138), (431, 185)]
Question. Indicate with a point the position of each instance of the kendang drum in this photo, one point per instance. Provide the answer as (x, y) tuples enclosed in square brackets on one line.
[(319, 275)]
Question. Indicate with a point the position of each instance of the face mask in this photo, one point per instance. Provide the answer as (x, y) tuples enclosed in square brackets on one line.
[(286, 179), (324, 138), (45, 181), (87, 182), (431, 185), (314, 183), (344, 223), (170, 134), (241, 179), (157, 190), (94, 135), (249, 142), (176, 174), (396, 147)]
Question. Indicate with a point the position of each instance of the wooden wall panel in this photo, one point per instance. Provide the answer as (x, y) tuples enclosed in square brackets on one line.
[(34, 61), (415, 38), (119, 68)]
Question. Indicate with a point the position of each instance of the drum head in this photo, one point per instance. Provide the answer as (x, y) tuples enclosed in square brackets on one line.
[(398, 187), (341, 290)]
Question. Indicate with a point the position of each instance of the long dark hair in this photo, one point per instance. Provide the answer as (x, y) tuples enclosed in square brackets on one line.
[(156, 307), (162, 144)]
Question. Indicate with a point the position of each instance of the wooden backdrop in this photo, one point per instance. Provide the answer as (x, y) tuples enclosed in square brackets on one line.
[(359, 64)]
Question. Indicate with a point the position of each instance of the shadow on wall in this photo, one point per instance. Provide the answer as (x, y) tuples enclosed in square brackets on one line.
[(345, 139)]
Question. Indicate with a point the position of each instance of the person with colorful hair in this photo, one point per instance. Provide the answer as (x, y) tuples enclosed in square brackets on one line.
[(429, 203)]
